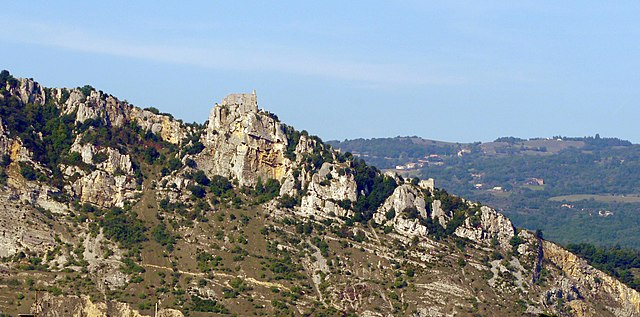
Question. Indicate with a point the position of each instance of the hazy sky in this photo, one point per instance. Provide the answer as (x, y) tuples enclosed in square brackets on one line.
[(457, 71)]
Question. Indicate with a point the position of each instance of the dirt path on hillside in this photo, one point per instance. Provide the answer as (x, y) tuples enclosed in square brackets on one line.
[(220, 274)]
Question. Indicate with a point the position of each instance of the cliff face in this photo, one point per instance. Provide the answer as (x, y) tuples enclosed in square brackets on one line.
[(99, 106), (245, 215), (589, 282), (324, 189), (244, 143), (82, 306), (109, 184)]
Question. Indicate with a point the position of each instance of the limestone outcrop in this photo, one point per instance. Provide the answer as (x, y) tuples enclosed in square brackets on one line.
[(166, 127), (103, 189), (244, 143), (28, 91), (21, 228), (404, 197), (439, 214), (110, 184), (82, 306), (110, 111), (5, 141), (326, 188), (392, 212), (626, 301), (490, 224)]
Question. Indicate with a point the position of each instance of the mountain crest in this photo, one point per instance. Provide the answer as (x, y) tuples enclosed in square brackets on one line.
[(244, 215)]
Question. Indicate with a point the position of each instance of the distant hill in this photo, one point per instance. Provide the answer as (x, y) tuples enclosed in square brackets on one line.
[(576, 189)]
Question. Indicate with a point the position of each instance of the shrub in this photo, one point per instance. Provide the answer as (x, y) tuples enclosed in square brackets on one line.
[(287, 201), (28, 172), (123, 227), (74, 158), (220, 185), (86, 90), (390, 214), (267, 191), (153, 110), (198, 191), (202, 179), (99, 157), (174, 164), (130, 267), (151, 155), (207, 305), (195, 148), (163, 236)]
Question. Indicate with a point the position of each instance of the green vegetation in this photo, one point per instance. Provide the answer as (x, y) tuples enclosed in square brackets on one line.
[(97, 158), (201, 178), (173, 164), (198, 191), (398, 149), (207, 305), (163, 236), (509, 139), (129, 266), (151, 155), (375, 186), (195, 148), (267, 191), (293, 137), (220, 185), (207, 262), (86, 90), (222, 190), (28, 120), (123, 227), (589, 174), (287, 201), (6, 78), (29, 173), (598, 198), (285, 269)]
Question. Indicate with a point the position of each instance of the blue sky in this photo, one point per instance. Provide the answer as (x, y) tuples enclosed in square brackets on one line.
[(458, 71)]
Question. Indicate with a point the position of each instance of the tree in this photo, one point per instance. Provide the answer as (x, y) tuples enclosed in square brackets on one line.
[(198, 191), (201, 178), (86, 90), (151, 154), (174, 164)]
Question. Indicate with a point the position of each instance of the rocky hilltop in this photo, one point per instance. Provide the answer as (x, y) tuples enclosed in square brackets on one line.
[(113, 210)]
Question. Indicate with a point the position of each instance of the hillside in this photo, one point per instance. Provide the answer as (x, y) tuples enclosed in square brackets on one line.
[(574, 189), (109, 210)]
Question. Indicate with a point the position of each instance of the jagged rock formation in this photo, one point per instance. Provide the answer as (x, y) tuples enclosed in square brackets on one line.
[(108, 209), (244, 143), (585, 282), (403, 198), (325, 189), (110, 184), (82, 306), (106, 108), (491, 224)]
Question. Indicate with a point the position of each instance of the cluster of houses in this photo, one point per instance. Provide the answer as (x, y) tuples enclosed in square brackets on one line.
[(494, 188), (601, 213), (431, 159), (529, 182), (534, 181)]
